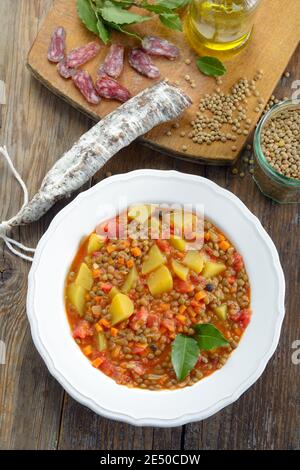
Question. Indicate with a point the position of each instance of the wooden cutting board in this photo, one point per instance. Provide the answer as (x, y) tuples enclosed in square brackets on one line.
[(274, 40)]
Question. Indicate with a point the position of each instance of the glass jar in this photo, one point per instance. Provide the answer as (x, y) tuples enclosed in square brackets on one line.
[(273, 184), (219, 25)]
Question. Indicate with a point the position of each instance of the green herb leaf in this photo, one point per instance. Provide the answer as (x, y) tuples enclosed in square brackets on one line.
[(87, 15), (114, 14), (123, 3), (185, 353), (98, 3), (155, 7), (211, 66), (171, 20), (125, 31), (209, 337), (103, 32), (172, 4)]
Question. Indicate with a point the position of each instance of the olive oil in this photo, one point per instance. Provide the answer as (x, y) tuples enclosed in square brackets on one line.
[(219, 25)]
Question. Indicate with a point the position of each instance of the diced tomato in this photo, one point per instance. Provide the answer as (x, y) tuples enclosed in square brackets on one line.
[(153, 320), (231, 279), (106, 287), (136, 367), (139, 349), (245, 317), (107, 367), (142, 314), (102, 229), (163, 245), (209, 251), (183, 286), (82, 330), (139, 319), (169, 324), (237, 262)]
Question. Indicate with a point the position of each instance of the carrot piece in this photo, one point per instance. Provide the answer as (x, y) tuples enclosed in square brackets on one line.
[(207, 236), (104, 323), (97, 362), (88, 350), (224, 245), (114, 332), (111, 248), (164, 307), (136, 251), (116, 351), (200, 295), (121, 261), (182, 309), (124, 244), (129, 263), (191, 312), (181, 318), (98, 328), (96, 273)]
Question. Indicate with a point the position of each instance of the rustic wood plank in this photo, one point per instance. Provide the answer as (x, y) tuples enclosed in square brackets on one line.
[(36, 129), (270, 29), (80, 427), (267, 416)]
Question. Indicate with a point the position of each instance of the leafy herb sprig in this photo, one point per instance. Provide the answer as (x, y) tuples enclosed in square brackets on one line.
[(211, 66), (186, 349), (103, 16)]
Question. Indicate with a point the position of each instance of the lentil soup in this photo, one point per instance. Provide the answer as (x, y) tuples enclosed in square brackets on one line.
[(132, 302)]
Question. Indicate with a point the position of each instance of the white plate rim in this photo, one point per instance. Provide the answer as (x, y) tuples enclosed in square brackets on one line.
[(148, 421)]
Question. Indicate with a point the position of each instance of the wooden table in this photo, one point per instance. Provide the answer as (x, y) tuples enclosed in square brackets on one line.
[(35, 413)]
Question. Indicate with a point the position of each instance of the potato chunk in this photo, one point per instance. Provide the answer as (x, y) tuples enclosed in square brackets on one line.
[(160, 281), (194, 260), (95, 243), (221, 311), (212, 269), (130, 280), (154, 260), (113, 291), (178, 243), (181, 271), (76, 295), (121, 308), (84, 277)]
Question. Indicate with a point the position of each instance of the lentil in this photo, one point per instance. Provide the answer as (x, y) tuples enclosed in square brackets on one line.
[(136, 351)]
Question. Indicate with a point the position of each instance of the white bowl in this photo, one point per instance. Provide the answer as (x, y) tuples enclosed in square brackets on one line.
[(51, 331)]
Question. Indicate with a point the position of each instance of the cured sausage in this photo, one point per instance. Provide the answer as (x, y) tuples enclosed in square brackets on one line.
[(114, 62), (81, 55), (161, 103), (112, 90), (84, 83), (142, 63), (56, 51), (160, 47)]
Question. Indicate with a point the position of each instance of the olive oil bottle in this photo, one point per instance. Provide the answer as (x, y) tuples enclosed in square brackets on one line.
[(219, 25)]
